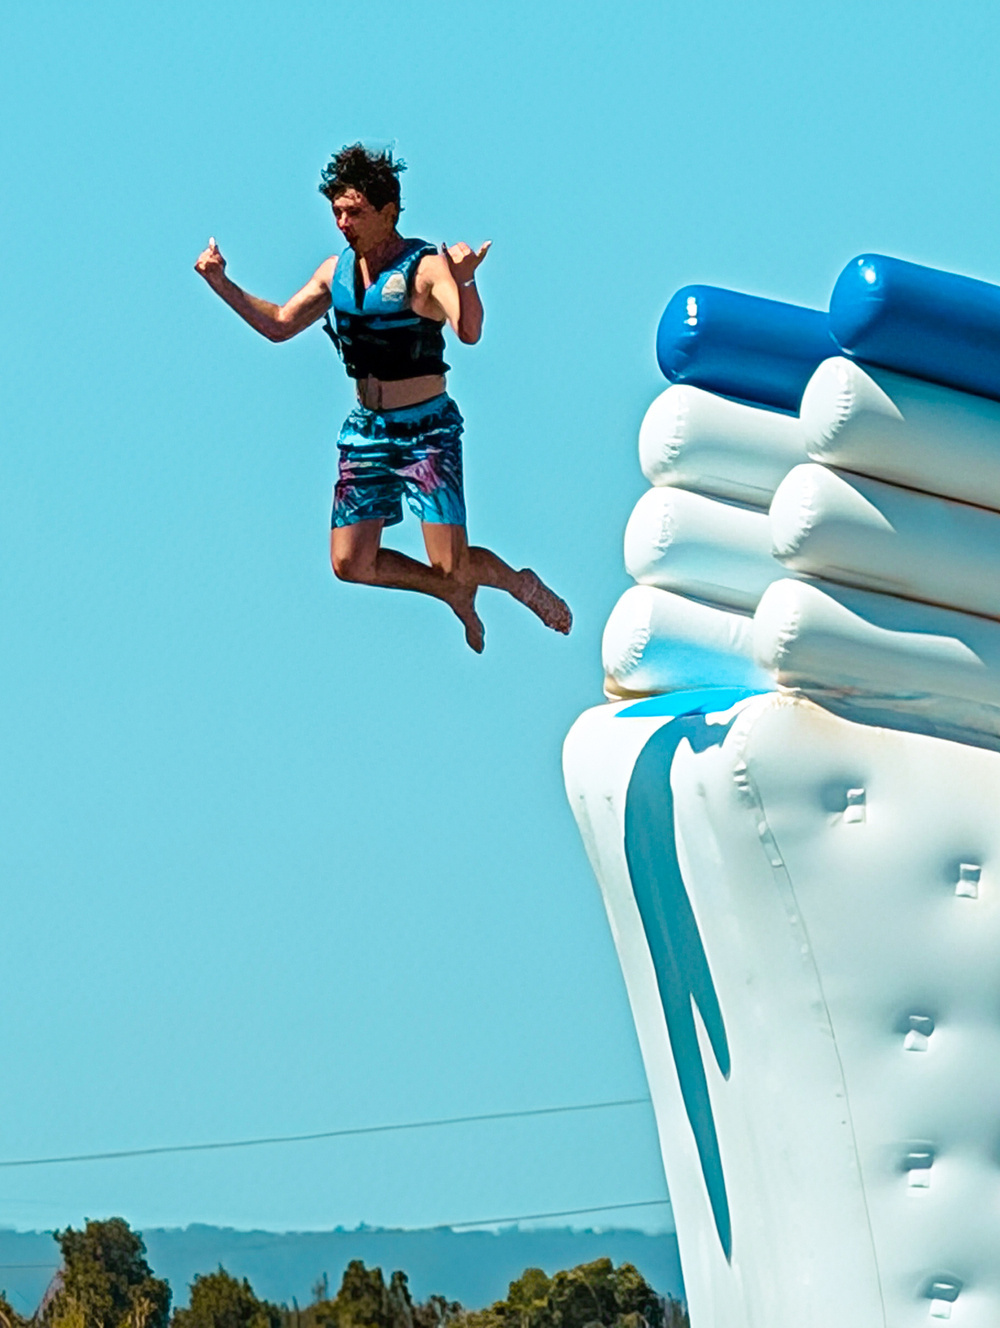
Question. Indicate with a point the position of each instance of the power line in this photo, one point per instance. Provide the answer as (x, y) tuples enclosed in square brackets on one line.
[(535, 1217), (323, 1134)]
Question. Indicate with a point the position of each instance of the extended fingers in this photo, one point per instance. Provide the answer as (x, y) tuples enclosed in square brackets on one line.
[(462, 260), (209, 257), (454, 253)]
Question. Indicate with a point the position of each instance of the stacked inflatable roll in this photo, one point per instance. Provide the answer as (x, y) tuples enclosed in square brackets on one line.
[(825, 504)]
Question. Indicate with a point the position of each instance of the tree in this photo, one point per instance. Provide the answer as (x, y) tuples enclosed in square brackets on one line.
[(9, 1317), (218, 1300), (592, 1295), (106, 1281), (436, 1312), (675, 1315), (364, 1301)]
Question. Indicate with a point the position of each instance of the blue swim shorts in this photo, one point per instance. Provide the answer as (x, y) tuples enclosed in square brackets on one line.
[(388, 455)]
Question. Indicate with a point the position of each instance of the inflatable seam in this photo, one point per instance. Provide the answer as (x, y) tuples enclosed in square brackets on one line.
[(743, 776), (807, 511), (632, 655), (670, 443), (840, 407), (673, 443), (784, 638), (667, 529)]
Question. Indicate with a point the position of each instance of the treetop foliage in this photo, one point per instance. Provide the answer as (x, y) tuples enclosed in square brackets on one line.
[(593, 1295), (105, 1281), (220, 1301), (364, 1301)]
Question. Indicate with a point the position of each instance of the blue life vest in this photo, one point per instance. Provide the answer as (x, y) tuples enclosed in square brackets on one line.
[(377, 333)]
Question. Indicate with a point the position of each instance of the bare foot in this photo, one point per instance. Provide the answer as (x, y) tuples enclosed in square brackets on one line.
[(535, 595), (464, 607)]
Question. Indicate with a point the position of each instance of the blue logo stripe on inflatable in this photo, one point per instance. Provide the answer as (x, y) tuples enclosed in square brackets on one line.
[(695, 701), (919, 321), (682, 972), (756, 350)]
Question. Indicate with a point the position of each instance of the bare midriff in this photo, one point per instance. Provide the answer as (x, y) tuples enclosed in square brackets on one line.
[(377, 394)]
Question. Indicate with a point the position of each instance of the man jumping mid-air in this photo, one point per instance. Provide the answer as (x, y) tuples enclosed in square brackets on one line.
[(391, 298)]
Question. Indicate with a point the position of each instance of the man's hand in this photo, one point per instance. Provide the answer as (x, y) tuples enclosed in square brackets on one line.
[(277, 322), (211, 265), (462, 262)]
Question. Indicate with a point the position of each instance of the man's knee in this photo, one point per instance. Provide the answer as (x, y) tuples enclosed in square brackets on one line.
[(447, 550), (450, 562), (351, 566), (445, 564)]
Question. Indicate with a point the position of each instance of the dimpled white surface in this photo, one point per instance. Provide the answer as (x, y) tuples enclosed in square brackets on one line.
[(844, 882)]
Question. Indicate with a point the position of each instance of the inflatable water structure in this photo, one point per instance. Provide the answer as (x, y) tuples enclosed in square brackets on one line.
[(791, 800)]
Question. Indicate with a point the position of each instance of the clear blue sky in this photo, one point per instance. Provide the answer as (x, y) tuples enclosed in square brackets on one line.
[(280, 855)]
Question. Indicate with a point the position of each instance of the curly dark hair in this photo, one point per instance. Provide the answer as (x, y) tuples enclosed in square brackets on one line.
[(373, 174)]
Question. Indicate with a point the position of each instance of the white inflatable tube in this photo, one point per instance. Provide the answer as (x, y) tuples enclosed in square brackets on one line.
[(904, 430), (867, 533), (696, 440), (656, 641), (713, 550), (903, 657)]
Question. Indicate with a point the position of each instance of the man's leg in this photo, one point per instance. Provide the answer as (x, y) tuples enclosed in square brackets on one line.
[(356, 555), (448, 549), (448, 554)]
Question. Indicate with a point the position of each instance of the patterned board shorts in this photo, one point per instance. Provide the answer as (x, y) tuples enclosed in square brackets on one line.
[(414, 453)]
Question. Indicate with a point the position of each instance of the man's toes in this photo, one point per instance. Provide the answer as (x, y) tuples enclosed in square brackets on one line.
[(475, 633), (545, 603), (464, 608)]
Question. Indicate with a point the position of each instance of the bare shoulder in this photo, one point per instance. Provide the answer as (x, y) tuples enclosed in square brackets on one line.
[(430, 270), (323, 275)]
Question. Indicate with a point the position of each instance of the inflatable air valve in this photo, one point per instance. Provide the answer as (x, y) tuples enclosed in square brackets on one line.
[(758, 351)]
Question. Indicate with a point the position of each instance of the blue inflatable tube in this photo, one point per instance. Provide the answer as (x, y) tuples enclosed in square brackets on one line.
[(919, 321), (758, 351)]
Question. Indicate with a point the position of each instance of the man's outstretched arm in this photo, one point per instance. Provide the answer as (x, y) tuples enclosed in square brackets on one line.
[(447, 282), (277, 322)]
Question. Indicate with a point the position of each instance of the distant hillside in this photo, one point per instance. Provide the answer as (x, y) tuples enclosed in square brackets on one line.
[(474, 1267)]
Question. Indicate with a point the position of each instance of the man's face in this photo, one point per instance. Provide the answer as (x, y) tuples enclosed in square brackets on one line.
[(362, 225)]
